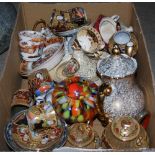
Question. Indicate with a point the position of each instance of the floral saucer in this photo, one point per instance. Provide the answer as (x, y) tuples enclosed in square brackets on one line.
[(18, 137)]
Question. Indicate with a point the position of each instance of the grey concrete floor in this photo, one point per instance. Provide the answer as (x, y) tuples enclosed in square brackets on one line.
[(146, 13)]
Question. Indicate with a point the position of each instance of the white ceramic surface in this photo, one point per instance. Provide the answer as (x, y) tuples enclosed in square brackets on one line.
[(107, 27), (122, 37)]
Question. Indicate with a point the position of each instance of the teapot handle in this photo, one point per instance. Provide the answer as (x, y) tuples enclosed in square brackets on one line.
[(115, 18), (41, 21), (104, 90)]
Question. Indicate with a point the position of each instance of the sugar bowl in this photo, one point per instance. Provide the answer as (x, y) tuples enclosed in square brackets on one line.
[(125, 133)]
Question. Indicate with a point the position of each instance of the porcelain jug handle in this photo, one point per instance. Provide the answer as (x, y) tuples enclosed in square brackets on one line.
[(104, 90), (37, 23), (115, 18)]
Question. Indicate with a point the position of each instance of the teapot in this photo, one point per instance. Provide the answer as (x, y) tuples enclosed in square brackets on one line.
[(119, 95)]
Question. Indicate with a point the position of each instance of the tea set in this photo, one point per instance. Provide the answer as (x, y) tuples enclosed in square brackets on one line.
[(78, 73)]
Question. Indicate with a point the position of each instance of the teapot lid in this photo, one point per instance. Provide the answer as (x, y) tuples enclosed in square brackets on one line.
[(125, 128), (80, 134), (117, 65)]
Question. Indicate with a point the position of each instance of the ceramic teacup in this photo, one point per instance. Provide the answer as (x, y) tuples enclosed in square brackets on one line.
[(37, 78), (41, 116), (121, 38)]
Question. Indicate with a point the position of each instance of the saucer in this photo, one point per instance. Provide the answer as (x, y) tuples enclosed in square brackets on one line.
[(67, 69), (28, 35), (18, 137)]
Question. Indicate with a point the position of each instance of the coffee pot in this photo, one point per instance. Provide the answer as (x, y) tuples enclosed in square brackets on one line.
[(119, 95)]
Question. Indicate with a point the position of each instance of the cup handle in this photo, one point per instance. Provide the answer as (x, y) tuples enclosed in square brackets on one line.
[(41, 21), (115, 18), (129, 29), (105, 90)]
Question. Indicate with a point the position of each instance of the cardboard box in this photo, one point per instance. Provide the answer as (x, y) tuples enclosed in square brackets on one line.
[(28, 13)]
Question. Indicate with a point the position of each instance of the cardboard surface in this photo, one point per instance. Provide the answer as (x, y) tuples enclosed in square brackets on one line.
[(30, 12)]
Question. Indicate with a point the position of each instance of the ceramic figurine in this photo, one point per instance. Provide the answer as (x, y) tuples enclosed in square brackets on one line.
[(74, 99), (87, 66), (125, 133)]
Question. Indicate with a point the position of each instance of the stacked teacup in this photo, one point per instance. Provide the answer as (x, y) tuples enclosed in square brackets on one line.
[(39, 50)]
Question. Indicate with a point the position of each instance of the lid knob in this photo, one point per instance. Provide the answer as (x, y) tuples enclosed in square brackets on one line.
[(116, 50), (125, 128)]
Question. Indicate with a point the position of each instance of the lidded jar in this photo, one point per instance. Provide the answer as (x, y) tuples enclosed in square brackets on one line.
[(119, 94), (125, 133)]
